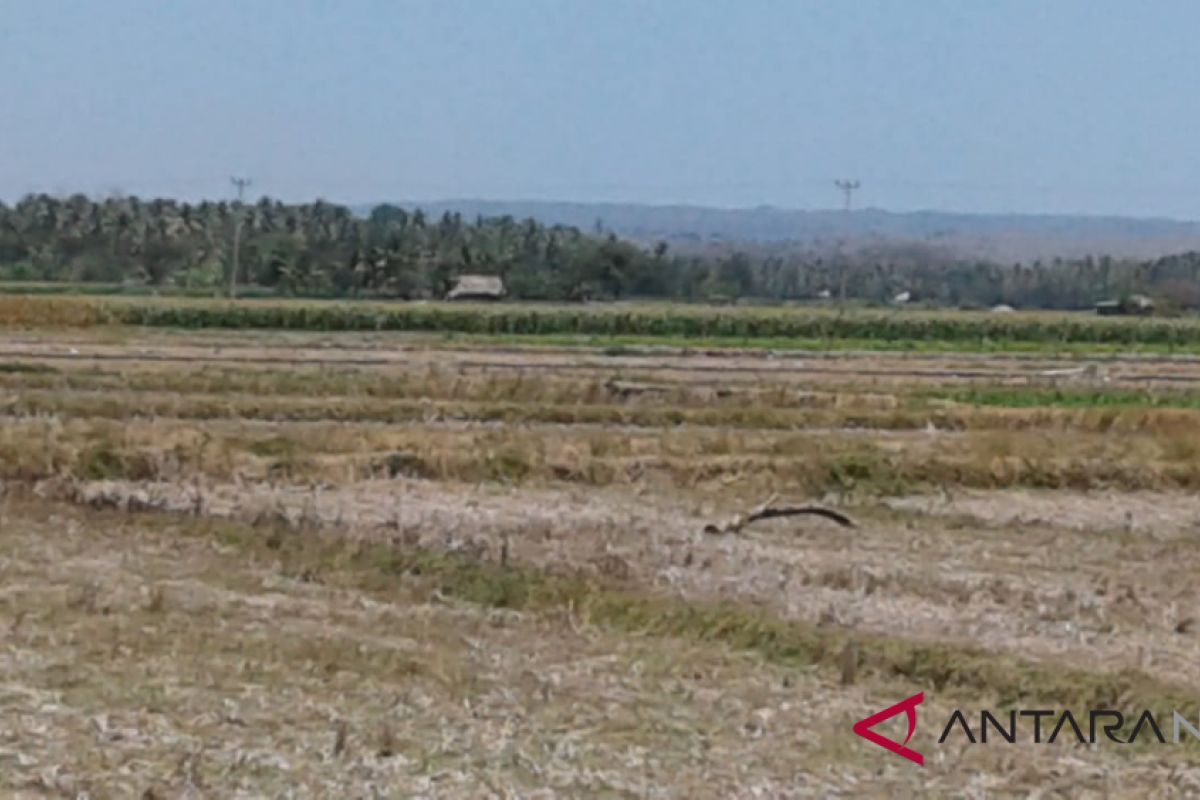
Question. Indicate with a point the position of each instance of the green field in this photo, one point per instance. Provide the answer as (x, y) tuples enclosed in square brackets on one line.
[(618, 324)]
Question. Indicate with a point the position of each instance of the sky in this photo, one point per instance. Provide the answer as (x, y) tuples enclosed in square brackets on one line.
[(1032, 106)]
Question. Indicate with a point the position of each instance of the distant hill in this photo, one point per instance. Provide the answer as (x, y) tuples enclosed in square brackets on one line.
[(1000, 237)]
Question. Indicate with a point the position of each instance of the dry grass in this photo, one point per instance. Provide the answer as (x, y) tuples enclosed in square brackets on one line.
[(142, 659), (39, 313), (147, 655), (437, 571), (1075, 591), (23, 395), (713, 460)]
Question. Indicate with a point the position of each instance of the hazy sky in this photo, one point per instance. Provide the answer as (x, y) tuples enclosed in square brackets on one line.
[(1006, 105)]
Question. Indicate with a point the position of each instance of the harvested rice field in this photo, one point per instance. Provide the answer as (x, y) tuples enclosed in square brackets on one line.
[(263, 563)]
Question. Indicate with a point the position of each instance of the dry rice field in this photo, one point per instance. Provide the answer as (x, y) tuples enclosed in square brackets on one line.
[(253, 564)]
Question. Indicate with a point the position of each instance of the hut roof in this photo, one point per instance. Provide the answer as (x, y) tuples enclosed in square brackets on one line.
[(485, 286)]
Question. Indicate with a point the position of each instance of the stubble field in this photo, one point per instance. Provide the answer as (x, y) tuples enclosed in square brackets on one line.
[(238, 563)]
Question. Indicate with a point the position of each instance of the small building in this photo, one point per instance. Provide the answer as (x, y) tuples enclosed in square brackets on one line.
[(476, 287), (1137, 304)]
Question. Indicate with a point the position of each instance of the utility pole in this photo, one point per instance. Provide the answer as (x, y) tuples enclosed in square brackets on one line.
[(847, 188), (241, 183)]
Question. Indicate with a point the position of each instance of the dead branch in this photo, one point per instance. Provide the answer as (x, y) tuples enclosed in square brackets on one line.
[(767, 511)]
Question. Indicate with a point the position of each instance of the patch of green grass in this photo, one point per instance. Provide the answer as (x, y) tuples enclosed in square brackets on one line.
[(273, 447), (1065, 398), (17, 367)]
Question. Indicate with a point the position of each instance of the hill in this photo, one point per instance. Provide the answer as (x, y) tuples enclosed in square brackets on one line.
[(999, 237)]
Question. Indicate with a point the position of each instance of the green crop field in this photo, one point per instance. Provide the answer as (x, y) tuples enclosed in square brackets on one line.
[(674, 324)]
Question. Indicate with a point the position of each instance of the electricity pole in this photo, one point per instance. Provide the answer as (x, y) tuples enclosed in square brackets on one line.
[(847, 188), (241, 184)]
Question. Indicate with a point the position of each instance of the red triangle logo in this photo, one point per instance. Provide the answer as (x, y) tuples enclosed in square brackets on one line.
[(909, 707)]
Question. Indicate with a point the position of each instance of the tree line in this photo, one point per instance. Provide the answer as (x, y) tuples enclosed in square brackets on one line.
[(322, 249)]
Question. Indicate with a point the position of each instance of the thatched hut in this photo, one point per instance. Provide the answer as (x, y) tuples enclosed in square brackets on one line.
[(477, 287)]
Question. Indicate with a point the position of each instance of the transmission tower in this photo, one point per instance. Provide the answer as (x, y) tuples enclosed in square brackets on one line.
[(847, 188), (241, 183)]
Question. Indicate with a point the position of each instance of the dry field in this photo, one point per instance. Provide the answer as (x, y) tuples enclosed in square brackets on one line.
[(242, 564)]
